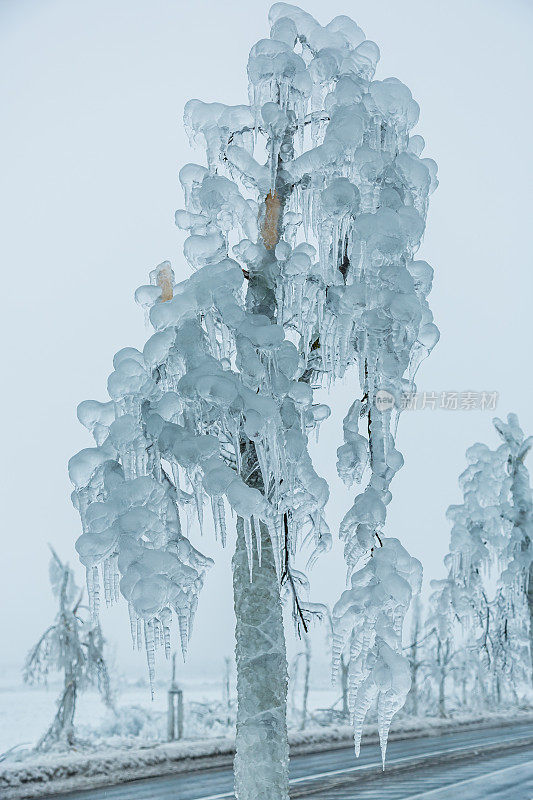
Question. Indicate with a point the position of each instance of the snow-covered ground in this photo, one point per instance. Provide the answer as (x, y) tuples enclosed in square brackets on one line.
[(42, 775), (26, 712)]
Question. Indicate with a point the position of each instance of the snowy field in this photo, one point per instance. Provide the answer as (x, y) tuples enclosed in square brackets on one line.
[(26, 712)]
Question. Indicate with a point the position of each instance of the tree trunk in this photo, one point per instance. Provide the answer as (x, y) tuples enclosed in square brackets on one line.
[(262, 749), (62, 727), (306, 681), (412, 697), (227, 690), (345, 667), (530, 607), (261, 764), (442, 679), (483, 692), (519, 490), (442, 696)]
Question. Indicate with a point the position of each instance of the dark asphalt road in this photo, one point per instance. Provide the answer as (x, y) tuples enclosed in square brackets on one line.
[(333, 775)]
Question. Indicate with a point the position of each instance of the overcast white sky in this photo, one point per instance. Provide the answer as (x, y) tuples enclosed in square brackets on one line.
[(91, 98)]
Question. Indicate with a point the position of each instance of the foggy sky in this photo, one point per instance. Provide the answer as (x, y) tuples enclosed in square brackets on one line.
[(91, 98)]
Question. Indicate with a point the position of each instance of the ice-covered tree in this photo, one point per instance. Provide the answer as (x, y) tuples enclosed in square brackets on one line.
[(73, 645), (302, 231), (517, 578), (490, 562)]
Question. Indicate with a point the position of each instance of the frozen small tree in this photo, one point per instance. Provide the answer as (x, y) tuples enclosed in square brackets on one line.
[(302, 230), (73, 645)]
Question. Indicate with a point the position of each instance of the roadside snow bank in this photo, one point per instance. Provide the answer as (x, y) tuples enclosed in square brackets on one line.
[(54, 773)]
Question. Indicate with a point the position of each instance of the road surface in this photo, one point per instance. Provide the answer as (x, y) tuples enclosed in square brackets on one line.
[(502, 769)]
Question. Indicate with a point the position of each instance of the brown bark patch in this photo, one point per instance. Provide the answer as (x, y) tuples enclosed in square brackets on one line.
[(270, 229), (164, 280)]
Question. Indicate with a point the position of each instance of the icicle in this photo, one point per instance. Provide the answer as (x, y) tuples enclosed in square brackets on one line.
[(219, 519), (275, 145), (362, 706), (222, 521), (300, 116), (253, 97), (256, 527), (133, 625), (235, 436), (108, 582), (249, 545), (149, 642), (337, 648), (198, 491), (273, 532), (166, 620), (93, 591), (157, 633), (183, 624), (386, 711), (139, 634), (116, 579), (261, 452)]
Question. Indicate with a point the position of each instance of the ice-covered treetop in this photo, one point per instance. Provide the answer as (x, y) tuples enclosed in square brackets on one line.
[(493, 522), (303, 227)]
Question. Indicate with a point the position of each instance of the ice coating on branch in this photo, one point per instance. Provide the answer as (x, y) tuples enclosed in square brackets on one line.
[(276, 72), (212, 124), (370, 615), (353, 455), (303, 229)]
